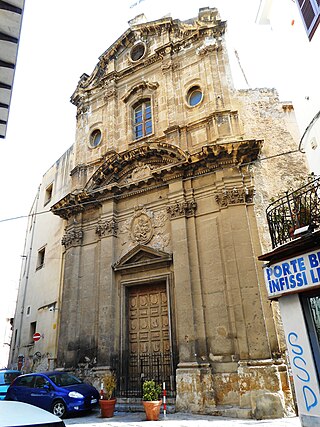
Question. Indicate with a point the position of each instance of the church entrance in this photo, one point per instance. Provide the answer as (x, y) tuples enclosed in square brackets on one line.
[(149, 352)]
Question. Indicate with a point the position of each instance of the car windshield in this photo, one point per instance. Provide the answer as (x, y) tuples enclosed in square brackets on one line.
[(6, 378), (63, 379)]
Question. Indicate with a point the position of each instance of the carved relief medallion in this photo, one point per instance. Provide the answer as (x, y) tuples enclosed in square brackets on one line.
[(145, 227), (141, 227)]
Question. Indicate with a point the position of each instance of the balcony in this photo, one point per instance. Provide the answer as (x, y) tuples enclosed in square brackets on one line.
[(295, 214)]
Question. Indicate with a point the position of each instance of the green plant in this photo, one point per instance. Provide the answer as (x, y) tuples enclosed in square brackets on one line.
[(109, 385), (151, 391)]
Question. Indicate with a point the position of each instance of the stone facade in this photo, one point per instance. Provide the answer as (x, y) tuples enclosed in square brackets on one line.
[(166, 205)]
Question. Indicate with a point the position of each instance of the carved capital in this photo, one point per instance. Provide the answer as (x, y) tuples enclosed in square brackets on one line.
[(234, 196), (180, 209), (72, 237), (107, 228)]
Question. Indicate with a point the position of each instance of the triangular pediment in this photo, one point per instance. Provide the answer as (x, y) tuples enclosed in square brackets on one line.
[(142, 255)]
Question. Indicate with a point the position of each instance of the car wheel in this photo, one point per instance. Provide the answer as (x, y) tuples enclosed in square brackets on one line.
[(59, 409)]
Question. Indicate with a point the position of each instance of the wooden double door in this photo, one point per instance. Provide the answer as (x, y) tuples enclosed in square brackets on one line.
[(148, 320), (150, 353)]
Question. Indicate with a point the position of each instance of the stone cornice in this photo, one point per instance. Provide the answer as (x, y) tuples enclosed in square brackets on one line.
[(152, 166)]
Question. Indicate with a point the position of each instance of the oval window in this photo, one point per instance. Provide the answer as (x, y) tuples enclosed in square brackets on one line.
[(194, 96), (95, 138), (137, 51)]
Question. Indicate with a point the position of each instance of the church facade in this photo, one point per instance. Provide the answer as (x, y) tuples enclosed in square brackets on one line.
[(159, 220)]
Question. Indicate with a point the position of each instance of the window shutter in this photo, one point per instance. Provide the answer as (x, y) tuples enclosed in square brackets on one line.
[(310, 13)]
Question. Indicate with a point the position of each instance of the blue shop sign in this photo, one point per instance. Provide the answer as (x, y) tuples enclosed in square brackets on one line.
[(298, 274)]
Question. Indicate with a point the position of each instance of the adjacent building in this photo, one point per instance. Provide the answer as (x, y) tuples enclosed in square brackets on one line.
[(11, 12), (141, 251), (292, 267)]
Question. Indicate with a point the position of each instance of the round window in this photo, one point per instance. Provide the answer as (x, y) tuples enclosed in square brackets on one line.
[(194, 96), (95, 138), (137, 51)]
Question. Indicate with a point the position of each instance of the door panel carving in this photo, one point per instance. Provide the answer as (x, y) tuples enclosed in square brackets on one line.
[(148, 319)]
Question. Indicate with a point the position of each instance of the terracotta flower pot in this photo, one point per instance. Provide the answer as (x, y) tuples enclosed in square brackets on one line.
[(152, 409), (107, 407)]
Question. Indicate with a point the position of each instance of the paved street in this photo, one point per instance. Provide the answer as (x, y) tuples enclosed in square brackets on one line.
[(175, 420)]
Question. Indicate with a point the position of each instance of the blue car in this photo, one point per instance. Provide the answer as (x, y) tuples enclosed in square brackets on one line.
[(57, 392), (6, 378)]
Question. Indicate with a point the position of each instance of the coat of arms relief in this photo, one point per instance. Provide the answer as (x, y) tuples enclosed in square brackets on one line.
[(145, 227)]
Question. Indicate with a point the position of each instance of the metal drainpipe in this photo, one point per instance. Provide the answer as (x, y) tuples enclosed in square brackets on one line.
[(28, 268)]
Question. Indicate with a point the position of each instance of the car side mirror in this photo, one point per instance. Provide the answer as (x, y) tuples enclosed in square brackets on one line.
[(46, 387)]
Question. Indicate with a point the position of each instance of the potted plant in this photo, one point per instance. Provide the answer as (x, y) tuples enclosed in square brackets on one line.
[(107, 400), (151, 400)]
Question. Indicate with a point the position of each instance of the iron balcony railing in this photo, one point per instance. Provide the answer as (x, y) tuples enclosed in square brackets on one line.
[(294, 213)]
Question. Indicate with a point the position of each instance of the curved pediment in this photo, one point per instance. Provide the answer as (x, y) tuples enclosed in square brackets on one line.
[(138, 164), (154, 162)]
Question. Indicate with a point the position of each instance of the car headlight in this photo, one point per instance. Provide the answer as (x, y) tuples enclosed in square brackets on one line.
[(75, 394)]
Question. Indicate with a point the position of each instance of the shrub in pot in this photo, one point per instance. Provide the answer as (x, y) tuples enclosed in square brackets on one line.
[(107, 400), (151, 399)]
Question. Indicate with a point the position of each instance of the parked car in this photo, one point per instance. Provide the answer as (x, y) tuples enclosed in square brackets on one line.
[(18, 414), (58, 392), (6, 378)]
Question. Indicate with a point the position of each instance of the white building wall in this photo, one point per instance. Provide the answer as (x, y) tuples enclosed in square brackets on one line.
[(39, 297)]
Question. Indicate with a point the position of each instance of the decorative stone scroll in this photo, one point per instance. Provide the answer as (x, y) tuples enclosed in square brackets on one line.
[(234, 196), (210, 44), (72, 237), (107, 228), (179, 209)]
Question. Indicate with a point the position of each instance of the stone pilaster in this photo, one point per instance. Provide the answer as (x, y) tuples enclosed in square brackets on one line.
[(107, 230)]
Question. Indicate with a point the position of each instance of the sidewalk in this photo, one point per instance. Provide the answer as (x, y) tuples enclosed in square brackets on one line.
[(135, 419)]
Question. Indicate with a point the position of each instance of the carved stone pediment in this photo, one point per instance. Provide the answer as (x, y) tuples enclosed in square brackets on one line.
[(145, 167), (142, 255), (152, 36), (151, 86), (137, 164)]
